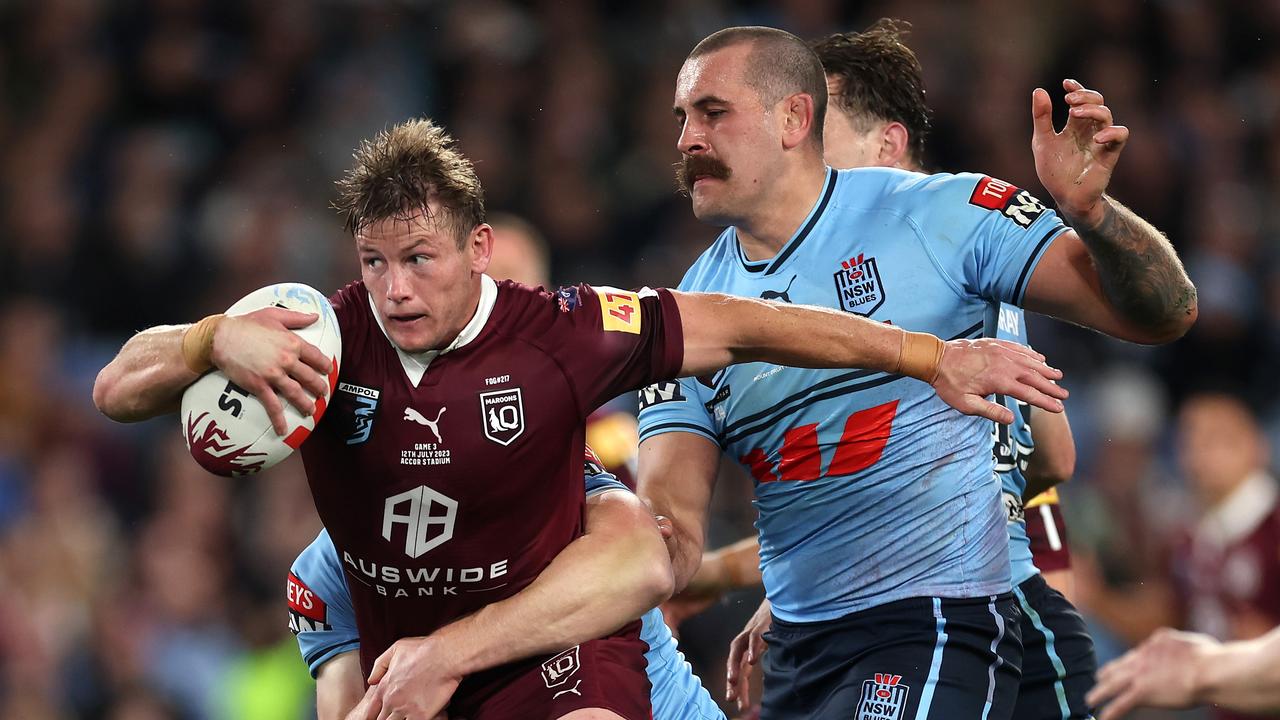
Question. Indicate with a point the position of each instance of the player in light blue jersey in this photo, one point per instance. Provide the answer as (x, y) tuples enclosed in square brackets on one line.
[(883, 544), (321, 615)]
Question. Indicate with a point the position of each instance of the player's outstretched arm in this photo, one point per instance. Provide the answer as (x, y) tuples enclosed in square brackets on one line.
[(613, 574), (339, 686), (1114, 271), (1175, 669), (720, 330), (257, 351), (1054, 460), (677, 472)]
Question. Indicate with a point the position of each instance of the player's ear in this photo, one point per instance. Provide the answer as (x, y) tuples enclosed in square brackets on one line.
[(479, 243), (893, 145), (797, 119)]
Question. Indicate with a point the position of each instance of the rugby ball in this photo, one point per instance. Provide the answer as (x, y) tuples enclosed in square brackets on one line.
[(226, 428)]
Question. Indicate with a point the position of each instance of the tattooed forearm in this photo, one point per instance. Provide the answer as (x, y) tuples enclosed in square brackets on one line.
[(1140, 272)]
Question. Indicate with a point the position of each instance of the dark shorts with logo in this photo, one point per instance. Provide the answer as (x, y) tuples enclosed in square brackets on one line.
[(607, 673), (1058, 664), (934, 658)]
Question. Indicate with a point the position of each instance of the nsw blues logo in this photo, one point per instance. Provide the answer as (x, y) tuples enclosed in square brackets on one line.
[(858, 286), (883, 698), (364, 403)]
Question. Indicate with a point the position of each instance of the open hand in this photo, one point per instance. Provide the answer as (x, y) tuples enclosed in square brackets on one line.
[(744, 653), (1161, 672), (412, 680), (970, 370), (1075, 165), (260, 353)]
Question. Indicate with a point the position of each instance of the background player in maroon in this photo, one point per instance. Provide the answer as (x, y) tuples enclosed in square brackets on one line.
[(462, 483)]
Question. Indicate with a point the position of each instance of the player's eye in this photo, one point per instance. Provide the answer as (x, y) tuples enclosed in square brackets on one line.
[(419, 259), (716, 113), (372, 262)]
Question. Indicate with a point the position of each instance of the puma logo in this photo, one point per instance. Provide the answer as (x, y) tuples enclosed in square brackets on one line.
[(775, 295), (432, 425), (573, 690)]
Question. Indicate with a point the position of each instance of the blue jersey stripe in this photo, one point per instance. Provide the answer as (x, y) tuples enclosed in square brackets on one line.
[(832, 178), (997, 662), (935, 667), (1020, 287), (793, 409), (1049, 645), (678, 426)]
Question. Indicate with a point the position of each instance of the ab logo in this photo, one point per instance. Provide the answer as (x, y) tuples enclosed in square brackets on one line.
[(428, 517)]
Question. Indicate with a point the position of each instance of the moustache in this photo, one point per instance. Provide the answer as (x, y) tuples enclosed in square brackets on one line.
[(695, 166)]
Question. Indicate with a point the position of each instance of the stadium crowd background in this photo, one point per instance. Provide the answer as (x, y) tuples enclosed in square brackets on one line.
[(160, 158)]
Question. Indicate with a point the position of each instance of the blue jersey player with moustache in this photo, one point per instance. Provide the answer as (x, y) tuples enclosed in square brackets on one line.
[(882, 533), (323, 619)]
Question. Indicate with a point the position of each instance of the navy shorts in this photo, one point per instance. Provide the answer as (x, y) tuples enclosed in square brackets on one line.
[(1058, 664), (914, 659)]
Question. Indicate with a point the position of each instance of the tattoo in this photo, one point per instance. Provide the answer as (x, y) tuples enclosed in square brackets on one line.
[(1140, 272)]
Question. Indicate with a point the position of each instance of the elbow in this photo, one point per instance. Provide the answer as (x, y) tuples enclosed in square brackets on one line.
[(657, 583), (1176, 322), (1062, 466), (104, 395)]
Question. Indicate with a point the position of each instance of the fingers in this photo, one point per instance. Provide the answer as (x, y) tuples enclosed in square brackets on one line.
[(1120, 706), (982, 407), (665, 528), (1113, 137), (735, 668), (1041, 114), (756, 648), (381, 665), (311, 355), (311, 381), (291, 319), (295, 395), (261, 389), (1017, 348), (1110, 683)]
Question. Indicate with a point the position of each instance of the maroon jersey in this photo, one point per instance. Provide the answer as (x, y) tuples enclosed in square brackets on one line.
[(450, 483), (1226, 568)]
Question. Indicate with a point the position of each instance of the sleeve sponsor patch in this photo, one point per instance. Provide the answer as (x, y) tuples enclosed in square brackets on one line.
[(1009, 200), (307, 612), (619, 309), (660, 392)]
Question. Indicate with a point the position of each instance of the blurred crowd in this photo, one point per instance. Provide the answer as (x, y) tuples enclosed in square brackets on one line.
[(161, 158)]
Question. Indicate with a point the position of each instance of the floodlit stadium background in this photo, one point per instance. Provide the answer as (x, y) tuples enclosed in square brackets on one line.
[(160, 158)]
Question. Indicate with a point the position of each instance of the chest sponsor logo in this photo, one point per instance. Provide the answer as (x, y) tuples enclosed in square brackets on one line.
[(426, 453), (1009, 200), (883, 698), (619, 310), (428, 518), (858, 286), (307, 612), (502, 415), (366, 404), (660, 392)]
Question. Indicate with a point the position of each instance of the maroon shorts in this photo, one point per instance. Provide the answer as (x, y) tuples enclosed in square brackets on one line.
[(607, 673), (1048, 536)]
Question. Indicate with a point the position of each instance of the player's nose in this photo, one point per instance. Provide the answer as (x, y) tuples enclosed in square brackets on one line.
[(692, 140)]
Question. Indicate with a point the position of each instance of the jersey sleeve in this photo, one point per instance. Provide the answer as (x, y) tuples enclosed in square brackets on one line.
[(676, 406), (609, 341), (320, 610), (986, 235)]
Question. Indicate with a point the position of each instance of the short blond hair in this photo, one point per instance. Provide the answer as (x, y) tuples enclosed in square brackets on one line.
[(401, 170)]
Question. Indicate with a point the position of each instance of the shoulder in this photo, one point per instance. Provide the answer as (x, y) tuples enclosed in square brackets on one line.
[(317, 560)]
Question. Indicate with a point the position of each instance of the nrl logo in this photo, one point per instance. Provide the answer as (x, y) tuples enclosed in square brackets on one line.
[(858, 286)]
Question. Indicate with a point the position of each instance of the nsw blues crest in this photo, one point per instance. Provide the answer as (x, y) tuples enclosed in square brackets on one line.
[(883, 698), (858, 286)]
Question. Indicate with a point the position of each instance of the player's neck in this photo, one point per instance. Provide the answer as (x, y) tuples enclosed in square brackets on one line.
[(779, 217)]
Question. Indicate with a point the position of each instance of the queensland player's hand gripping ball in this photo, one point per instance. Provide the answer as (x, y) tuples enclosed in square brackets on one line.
[(227, 429)]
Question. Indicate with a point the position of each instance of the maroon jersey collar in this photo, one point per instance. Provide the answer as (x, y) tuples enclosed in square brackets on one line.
[(415, 364)]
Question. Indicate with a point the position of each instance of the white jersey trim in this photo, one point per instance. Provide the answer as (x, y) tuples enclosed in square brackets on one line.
[(415, 364)]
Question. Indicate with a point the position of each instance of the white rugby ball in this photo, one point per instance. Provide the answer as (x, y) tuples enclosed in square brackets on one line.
[(227, 429)]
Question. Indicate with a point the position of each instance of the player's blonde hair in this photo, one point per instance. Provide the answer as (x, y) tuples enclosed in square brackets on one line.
[(401, 171)]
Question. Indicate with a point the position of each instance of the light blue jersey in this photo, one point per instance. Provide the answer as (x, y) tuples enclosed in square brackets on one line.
[(1012, 447), (869, 488), (316, 586)]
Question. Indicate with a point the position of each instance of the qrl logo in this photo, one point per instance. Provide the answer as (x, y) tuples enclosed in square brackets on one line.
[(558, 670), (502, 415), (427, 515)]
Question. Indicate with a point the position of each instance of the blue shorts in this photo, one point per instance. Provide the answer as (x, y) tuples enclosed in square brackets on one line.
[(1058, 664), (914, 659)]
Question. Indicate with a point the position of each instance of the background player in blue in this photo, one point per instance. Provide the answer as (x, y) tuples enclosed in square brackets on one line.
[(321, 616), (878, 516), (878, 117)]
